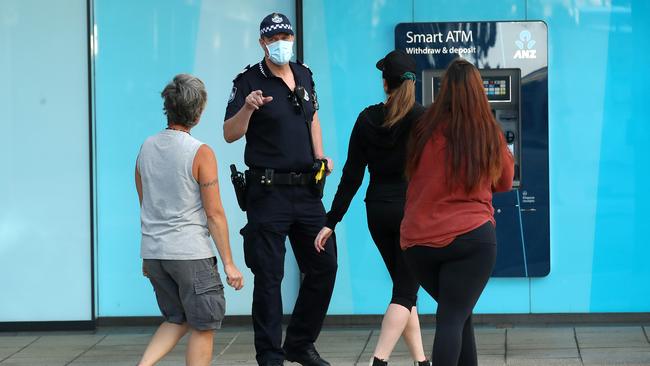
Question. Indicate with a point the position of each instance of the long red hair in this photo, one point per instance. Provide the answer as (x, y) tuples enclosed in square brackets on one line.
[(461, 112)]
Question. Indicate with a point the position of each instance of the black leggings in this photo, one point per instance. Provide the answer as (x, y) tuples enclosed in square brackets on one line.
[(384, 220), (455, 277)]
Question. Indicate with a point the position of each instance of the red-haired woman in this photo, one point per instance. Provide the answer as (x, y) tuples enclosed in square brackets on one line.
[(458, 157)]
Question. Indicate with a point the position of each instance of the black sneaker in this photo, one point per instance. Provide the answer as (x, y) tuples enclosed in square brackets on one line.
[(422, 363), (306, 357), (378, 362)]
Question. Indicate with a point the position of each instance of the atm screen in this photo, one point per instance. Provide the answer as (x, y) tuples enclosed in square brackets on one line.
[(497, 88)]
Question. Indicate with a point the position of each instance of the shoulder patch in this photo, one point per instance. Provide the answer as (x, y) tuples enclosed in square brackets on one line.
[(242, 72), (233, 92)]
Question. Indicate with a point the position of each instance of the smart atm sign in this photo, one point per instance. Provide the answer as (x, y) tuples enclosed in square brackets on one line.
[(439, 43), (496, 44)]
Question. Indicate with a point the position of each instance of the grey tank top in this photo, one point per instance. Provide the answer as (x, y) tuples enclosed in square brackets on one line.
[(174, 224)]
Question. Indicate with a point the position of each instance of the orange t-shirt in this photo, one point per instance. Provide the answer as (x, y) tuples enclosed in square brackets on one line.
[(434, 214)]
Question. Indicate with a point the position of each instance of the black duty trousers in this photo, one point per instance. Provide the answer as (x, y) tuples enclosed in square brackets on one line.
[(455, 277), (384, 220), (273, 214)]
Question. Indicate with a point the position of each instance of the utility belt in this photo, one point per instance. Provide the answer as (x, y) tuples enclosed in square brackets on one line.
[(268, 178)]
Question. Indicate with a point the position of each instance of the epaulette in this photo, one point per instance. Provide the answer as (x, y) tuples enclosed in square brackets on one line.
[(242, 72), (305, 66)]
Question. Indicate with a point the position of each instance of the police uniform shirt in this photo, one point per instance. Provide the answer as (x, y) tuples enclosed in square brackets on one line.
[(277, 136)]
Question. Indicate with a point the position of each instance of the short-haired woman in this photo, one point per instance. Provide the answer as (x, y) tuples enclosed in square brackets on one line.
[(181, 214), (457, 159)]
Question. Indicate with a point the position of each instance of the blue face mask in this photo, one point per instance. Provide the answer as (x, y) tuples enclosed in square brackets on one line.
[(280, 52)]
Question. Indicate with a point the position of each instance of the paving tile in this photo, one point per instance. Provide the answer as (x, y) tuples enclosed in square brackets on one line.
[(491, 360), (16, 341), (106, 363), (6, 352), (490, 337), (52, 351), (491, 343), (647, 332), (113, 362), (543, 353), (238, 349), (540, 338), (35, 362), (100, 352), (237, 353), (342, 333), (68, 352), (245, 338), (491, 351), (616, 356), (76, 340), (546, 362), (611, 337)]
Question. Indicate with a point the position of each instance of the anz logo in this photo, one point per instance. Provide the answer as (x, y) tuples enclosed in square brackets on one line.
[(526, 46)]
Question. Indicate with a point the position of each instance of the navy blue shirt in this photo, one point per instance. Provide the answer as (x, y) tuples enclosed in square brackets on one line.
[(278, 135)]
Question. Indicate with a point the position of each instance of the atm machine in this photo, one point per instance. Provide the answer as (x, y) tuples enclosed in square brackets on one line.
[(512, 60)]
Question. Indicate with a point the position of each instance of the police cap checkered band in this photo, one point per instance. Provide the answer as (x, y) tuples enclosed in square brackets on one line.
[(275, 23)]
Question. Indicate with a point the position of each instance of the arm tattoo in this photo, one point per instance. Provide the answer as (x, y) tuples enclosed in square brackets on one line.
[(210, 183)]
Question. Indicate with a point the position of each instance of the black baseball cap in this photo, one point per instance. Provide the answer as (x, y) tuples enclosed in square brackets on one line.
[(275, 23), (395, 64)]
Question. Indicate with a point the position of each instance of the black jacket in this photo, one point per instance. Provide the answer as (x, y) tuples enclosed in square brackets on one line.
[(383, 151)]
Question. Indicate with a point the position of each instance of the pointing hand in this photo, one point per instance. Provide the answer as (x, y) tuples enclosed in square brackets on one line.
[(255, 100)]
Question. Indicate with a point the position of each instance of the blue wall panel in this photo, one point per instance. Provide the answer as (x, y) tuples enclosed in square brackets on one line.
[(45, 225), (620, 250), (575, 134), (597, 156)]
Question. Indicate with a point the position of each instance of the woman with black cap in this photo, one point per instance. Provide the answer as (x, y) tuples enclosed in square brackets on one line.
[(378, 141)]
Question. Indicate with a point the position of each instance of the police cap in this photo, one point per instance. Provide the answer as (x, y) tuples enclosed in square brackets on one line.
[(275, 23)]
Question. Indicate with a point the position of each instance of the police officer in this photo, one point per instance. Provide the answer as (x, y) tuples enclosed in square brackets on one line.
[(273, 103)]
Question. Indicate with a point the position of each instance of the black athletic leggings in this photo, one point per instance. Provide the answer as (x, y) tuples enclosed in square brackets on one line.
[(384, 220), (455, 277)]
